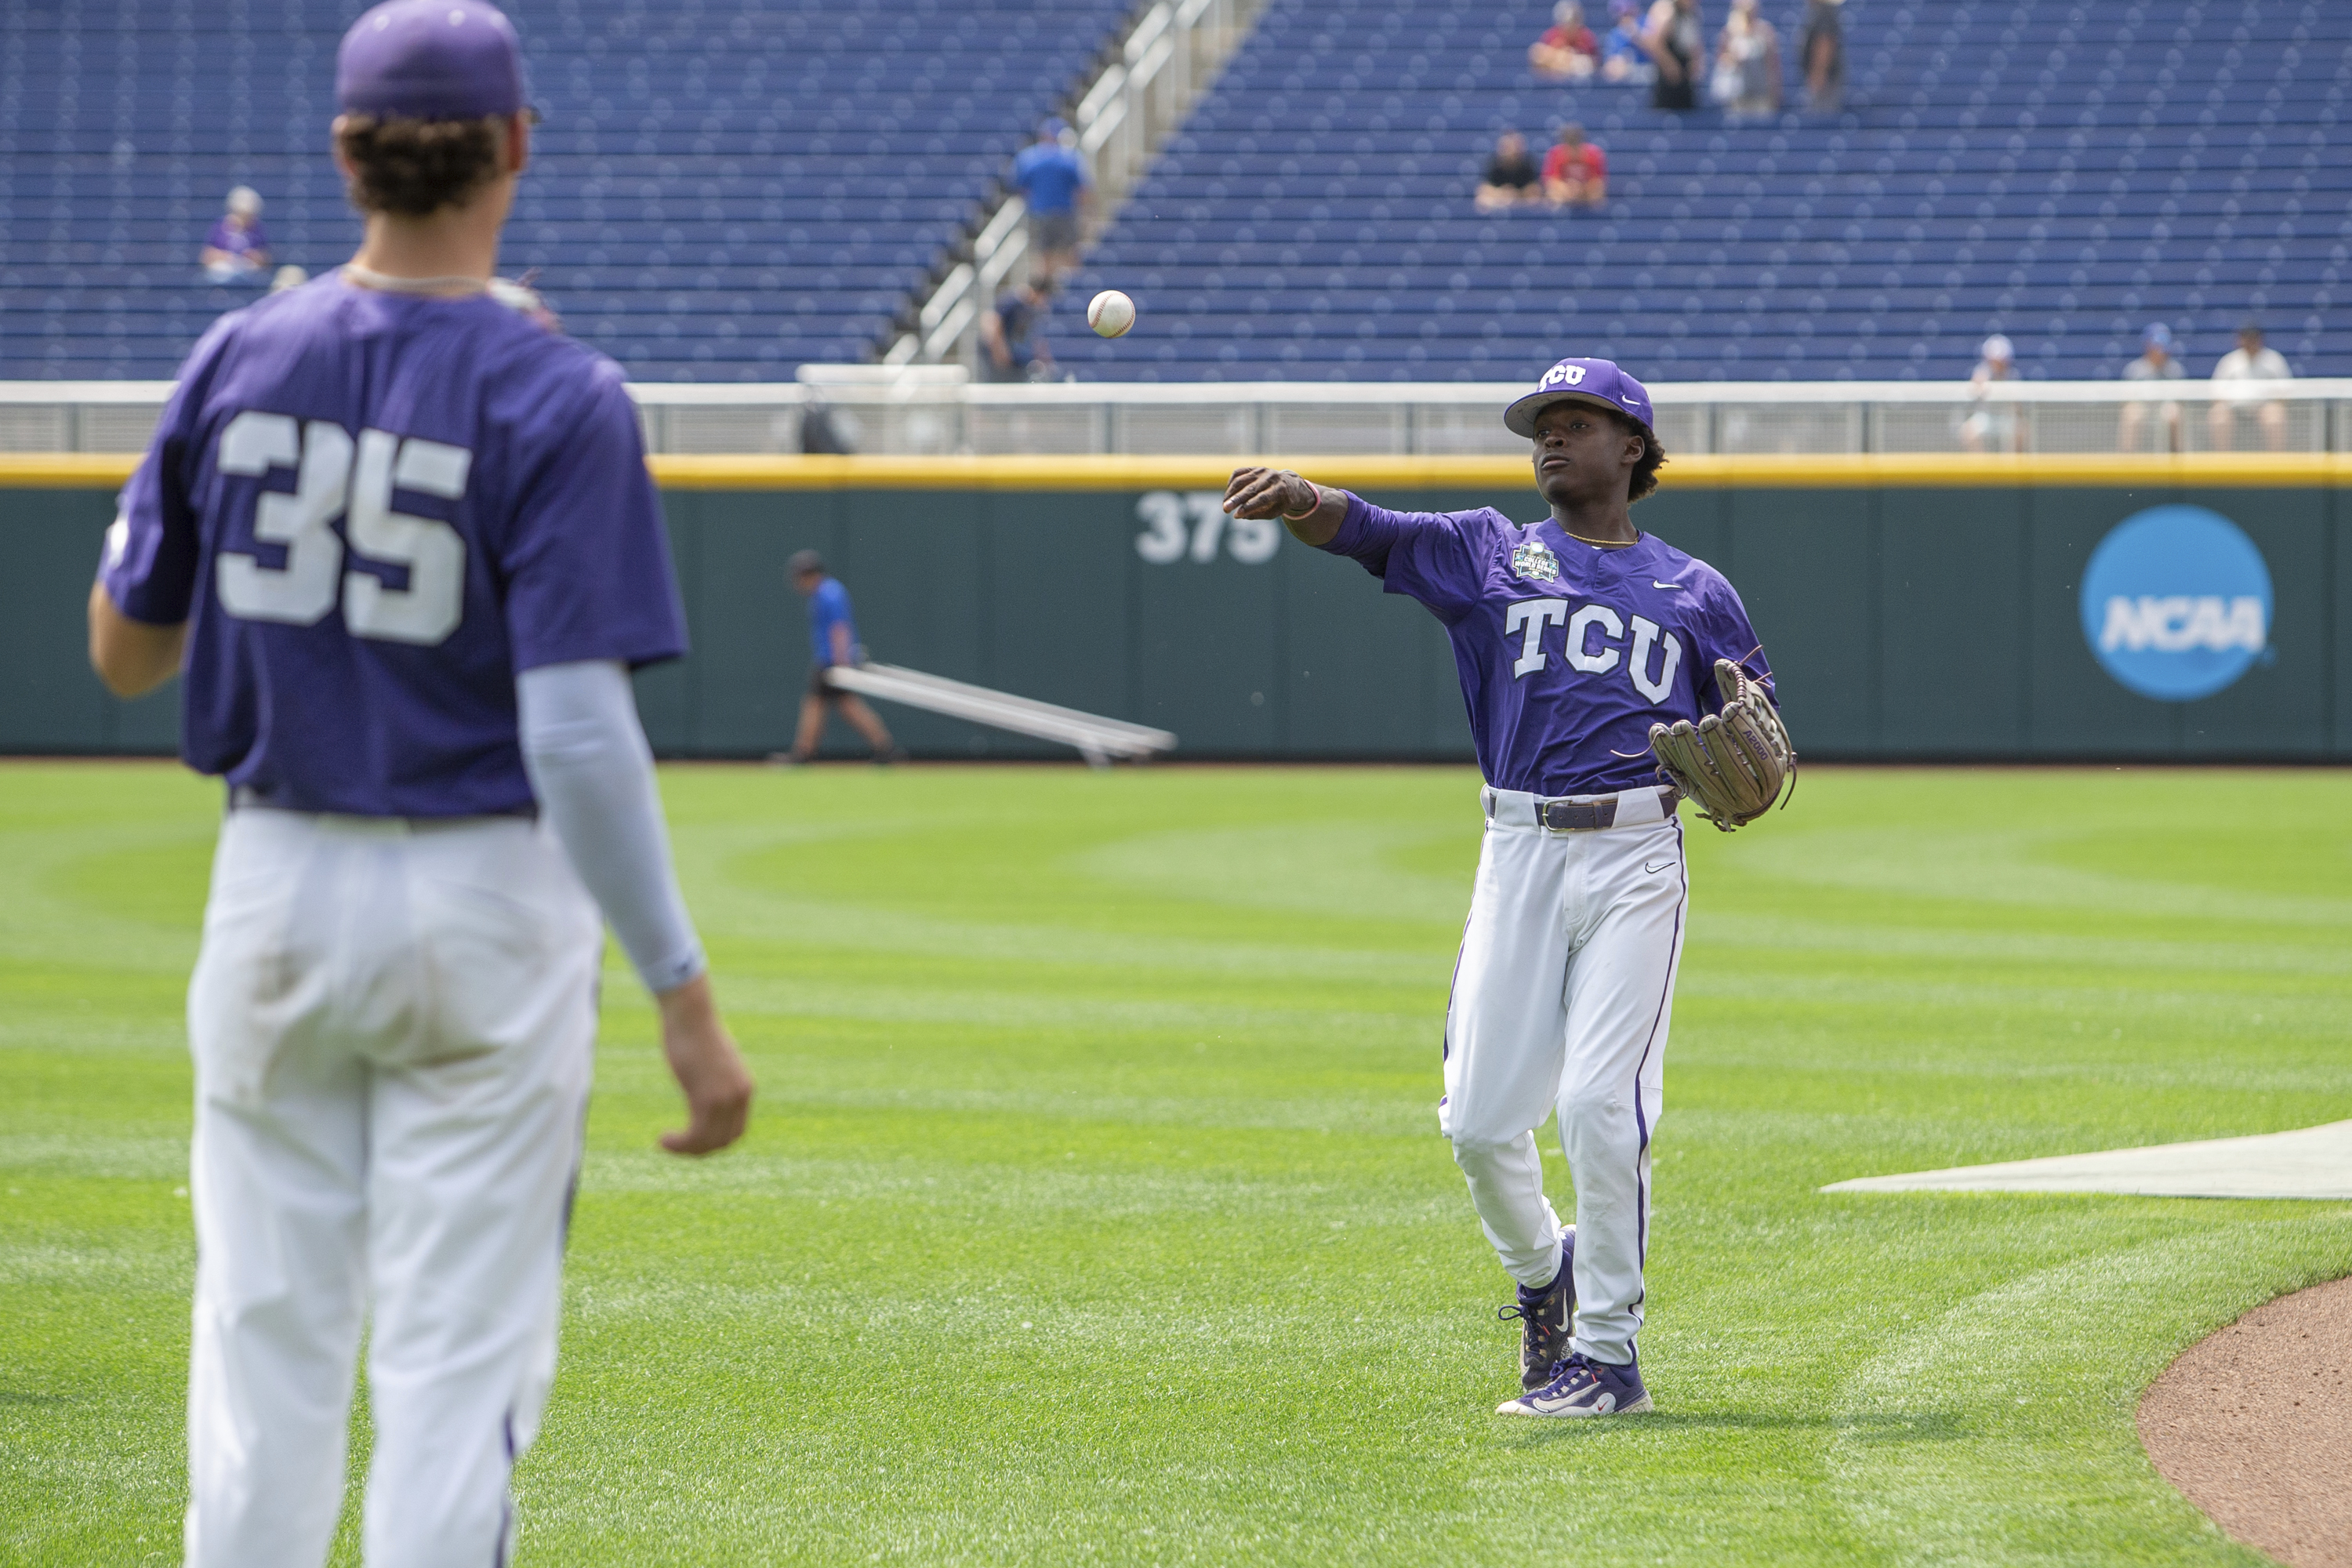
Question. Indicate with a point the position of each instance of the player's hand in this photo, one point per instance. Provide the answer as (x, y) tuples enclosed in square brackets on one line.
[(1257, 493), (708, 1067)]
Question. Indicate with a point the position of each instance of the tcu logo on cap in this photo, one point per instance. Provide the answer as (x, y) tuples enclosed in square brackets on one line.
[(1564, 375)]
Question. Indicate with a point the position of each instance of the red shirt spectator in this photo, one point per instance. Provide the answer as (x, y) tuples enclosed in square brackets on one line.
[(1575, 172), (1567, 51)]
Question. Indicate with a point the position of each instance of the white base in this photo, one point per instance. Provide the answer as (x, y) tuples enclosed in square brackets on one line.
[(2311, 1162)]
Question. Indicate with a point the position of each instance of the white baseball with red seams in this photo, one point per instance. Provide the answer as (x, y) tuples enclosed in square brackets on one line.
[(1110, 313)]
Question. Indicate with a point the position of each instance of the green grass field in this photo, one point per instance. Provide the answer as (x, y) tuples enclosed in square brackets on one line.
[(1094, 1208)]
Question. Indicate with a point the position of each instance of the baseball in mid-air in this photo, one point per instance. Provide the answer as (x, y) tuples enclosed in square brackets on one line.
[(1110, 313)]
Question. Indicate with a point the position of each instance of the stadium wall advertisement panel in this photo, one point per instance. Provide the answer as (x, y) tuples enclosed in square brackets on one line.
[(1920, 609)]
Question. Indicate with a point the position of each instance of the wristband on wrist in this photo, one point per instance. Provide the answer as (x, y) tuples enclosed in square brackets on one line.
[(1301, 517)]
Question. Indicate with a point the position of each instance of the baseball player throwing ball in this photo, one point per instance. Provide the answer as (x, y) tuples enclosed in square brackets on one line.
[(1589, 652), (399, 539)]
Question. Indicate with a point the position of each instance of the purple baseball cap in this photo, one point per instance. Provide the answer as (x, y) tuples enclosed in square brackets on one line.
[(432, 59), (1594, 380)]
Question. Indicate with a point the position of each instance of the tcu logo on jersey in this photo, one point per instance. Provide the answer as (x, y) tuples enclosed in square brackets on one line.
[(1593, 643), (1563, 375)]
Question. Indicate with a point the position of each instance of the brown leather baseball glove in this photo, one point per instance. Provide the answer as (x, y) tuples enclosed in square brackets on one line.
[(1734, 764)]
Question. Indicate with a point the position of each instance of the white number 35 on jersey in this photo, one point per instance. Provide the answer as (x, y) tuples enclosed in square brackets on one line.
[(336, 478)]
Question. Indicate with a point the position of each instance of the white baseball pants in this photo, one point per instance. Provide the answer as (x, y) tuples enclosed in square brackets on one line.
[(1562, 997), (393, 1027)]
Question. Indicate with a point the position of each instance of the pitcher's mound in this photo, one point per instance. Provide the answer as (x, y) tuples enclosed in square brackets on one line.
[(2254, 1425)]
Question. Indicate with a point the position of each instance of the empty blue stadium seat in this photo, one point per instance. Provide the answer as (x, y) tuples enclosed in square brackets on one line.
[(725, 190), (2060, 172), (721, 189)]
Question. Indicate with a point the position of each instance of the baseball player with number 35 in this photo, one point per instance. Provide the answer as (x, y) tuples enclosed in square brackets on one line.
[(398, 538), (1586, 650)]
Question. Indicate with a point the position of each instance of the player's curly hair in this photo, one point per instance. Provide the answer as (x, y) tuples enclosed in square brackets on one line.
[(1654, 457), (414, 167)]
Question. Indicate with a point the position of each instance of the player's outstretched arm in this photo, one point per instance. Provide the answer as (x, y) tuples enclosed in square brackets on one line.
[(1312, 513)]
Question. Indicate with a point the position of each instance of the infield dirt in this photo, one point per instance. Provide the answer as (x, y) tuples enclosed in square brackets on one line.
[(2254, 1425)]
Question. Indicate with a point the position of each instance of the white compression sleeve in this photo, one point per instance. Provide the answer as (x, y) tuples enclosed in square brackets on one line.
[(594, 774)]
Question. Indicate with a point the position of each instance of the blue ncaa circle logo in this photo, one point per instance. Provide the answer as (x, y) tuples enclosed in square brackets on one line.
[(2177, 602)]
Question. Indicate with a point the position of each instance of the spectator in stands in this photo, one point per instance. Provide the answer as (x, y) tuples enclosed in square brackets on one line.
[(1823, 54), (1676, 40), (237, 249), (1053, 181), (2156, 362), (1511, 177), (1567, 51), (825, 430), (1575, 172), (2237, 392), (1992, 425), (1622, 59), (1012, 342), (1747, 64)]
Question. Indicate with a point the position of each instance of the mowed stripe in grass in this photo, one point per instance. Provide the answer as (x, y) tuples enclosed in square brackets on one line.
[(1095, 1208)]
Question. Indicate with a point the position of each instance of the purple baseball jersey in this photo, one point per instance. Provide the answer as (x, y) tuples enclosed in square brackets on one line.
[(1567, 653), (374, 509)]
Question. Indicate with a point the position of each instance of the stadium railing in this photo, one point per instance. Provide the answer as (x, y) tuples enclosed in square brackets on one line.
[(1167, 60), (932, 410)]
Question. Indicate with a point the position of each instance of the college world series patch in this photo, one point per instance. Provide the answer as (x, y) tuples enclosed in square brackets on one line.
[(1535, 562)]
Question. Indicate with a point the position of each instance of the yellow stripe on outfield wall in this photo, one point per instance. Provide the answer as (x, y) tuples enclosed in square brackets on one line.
[(64, 470), (2304, 469), (77, 470)]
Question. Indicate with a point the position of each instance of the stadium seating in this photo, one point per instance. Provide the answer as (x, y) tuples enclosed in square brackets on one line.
[(2062, 171), (727, 188), (724, 188)]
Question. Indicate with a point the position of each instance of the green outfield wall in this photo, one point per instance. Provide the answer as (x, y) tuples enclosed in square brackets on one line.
[(1914, 608)]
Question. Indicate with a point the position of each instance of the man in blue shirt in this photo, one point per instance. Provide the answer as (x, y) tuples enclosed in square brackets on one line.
[(398, 541), (1053, 181), (1622, 59), (832, 639), (1572, 636)]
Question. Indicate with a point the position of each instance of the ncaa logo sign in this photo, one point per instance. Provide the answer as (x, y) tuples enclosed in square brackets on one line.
[(1564, 375), (2177, 602)]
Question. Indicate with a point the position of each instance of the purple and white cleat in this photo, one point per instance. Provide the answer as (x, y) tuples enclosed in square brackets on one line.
[(1583, 1387), (1544, 1318)]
